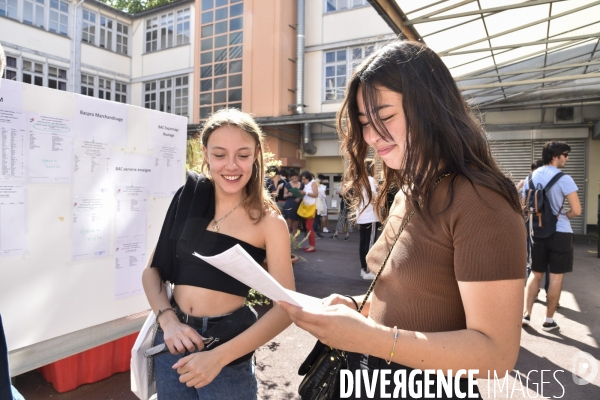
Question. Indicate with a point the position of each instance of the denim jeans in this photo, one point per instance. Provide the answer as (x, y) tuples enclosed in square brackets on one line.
[(233, 382)]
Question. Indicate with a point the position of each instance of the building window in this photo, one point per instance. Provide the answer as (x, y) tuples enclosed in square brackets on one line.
[(89, 27), (9, 8), (10, 72), (122, 38), (339, 65), (59, 17), (106, 28), (57, 78), (120, 92), (33, 73), (104, 88), (168, 95), (220, 56), (183, 26), (171, 32), (335, 5), (33, 12), (152, 34), (87, 85)]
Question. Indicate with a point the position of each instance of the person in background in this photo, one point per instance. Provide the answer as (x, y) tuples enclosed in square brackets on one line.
[(310, 192), (367, 222), (321, 217), (270, 183), (280, 184), (534, 166), (344, 221), (554, 253), (226, 206), (450, 295), (290, 208)]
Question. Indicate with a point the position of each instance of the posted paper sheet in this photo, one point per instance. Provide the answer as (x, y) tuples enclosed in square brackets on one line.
[(133, 170), (131, 212), (130, 260), (91, 228), (237, 263), (98, 120), (13, 239), (91, 171), (13, 150), (50, 149), (168, 171), (167, 130)]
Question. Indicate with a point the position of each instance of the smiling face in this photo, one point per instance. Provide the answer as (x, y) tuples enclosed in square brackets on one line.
[(230, 153), (390, 112)]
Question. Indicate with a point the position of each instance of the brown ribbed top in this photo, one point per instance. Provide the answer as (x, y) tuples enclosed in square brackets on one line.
[(479, 238)]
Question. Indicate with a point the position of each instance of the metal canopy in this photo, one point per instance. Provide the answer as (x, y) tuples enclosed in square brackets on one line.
[(506, 53)]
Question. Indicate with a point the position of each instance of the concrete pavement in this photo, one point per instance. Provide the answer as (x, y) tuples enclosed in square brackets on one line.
[(334, 267)]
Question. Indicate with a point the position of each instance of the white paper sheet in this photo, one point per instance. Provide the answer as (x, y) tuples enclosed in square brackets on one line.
[(11, 93), (167, 130), (130, 260), (13, 239), (133, 170), (39, 123), (91, 228), (91, 171), (99, 120), (13, 149), (168, 171), (131, 212), (237, 263), (50, 158)]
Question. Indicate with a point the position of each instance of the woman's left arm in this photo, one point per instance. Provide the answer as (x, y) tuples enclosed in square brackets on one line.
[(315, 190), (277, 241), (490, 342)]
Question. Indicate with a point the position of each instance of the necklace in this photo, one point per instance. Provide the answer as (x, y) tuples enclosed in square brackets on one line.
[(216, 221)]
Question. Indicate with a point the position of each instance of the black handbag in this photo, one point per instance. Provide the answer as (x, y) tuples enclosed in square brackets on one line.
[(322, 367)]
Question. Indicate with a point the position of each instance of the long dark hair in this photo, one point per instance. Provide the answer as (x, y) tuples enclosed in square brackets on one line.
[(443, 135)]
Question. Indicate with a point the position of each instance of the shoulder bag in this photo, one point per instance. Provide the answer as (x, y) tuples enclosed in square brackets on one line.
[(321, 369), (307, 211)]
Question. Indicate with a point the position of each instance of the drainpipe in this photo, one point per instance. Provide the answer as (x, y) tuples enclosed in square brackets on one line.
[(76, 53), (308, 146)]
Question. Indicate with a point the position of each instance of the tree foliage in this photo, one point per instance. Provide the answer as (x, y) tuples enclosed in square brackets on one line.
[(136, 6)]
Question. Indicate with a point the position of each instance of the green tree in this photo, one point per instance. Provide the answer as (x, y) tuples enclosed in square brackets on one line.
[(136, 6)]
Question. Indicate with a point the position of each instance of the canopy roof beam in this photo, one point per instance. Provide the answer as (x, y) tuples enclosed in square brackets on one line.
[(531, 81), (518, 28), (528, 71), (425, 18)]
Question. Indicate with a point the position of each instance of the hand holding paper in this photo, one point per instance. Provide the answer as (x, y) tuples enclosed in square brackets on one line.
[(237, 263)]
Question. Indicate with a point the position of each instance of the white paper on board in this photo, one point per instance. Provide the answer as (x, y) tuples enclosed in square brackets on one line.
[(11, 93), (133, 170), (168, 130), (50, 158), (13, 238), (39, 123), (13, 151), (130, 260), (167, 171), (98, 120), (91, 169), (237, 263), (91, 228), (131, 212)]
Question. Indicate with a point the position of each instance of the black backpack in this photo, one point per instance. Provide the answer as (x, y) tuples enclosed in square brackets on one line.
[(542, 221)]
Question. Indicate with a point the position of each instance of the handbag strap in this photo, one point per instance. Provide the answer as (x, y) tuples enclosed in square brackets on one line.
[(392, 247)]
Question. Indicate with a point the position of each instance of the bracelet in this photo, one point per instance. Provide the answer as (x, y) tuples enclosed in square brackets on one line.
[(351, 298), (394, 346), (162, 311)]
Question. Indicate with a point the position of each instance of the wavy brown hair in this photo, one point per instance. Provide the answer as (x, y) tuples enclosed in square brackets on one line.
[(443, 135), (258, 200)]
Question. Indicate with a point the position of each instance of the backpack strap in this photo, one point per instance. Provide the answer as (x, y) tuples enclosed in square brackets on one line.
[(554, 179), (530, 180)]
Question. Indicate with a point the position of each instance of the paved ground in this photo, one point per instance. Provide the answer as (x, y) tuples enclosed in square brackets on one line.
[(335, 268)]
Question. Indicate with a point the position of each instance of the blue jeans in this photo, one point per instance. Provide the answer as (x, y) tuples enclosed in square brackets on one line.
[(233, 382)]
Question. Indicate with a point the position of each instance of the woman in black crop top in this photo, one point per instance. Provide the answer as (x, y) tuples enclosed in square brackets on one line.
[(210, 214)]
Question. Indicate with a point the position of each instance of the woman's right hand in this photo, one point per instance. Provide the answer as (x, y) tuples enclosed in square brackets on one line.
[(179, 337), (335, 298)]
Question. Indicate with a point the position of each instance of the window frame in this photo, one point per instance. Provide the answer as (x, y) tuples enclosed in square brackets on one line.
[(166, 30), (57, 78), (87, 85), (164, 92), (326, 4), (350, 62), (5, 7), (59, 13), (123, 35), (35, 7), (10, 68), (88, 23), (105, 30)]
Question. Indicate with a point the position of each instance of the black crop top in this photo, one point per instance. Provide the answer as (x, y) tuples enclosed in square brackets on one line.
[(193, 271)]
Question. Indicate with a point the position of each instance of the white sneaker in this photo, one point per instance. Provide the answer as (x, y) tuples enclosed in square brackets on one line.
[(325, 230), (362, 273), (369, 275)]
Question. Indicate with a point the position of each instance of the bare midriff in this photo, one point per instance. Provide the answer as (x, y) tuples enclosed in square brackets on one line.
[(202, 302)]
